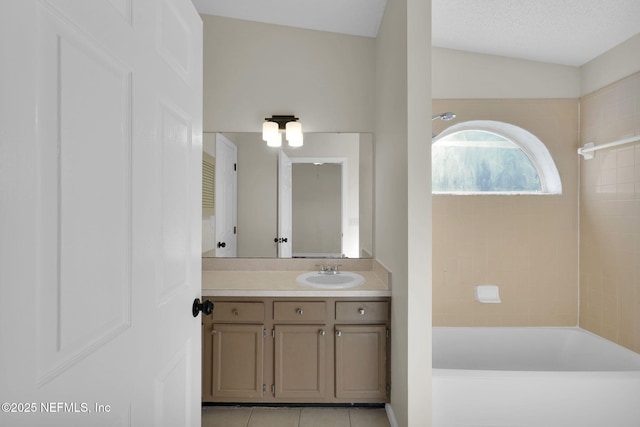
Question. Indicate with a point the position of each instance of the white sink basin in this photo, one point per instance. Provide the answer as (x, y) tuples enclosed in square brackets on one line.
[(342, 280)]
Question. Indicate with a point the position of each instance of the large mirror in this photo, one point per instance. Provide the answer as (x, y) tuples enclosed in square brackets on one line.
[(310, 201)]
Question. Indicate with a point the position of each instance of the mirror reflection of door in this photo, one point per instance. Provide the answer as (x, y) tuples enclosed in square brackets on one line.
[(312, 206), (285, 210), (226, 197), (317, 210)]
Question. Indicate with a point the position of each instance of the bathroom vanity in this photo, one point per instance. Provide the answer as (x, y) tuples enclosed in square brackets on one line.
[(311, 350), (270, 340)]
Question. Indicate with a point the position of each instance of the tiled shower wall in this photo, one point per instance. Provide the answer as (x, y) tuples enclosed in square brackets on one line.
[(610, 215), (528, 245)]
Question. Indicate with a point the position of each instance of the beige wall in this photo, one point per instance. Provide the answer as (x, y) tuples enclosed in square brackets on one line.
[(608, 68), (403, 209), (390, 233), (465, 75), (610, 215), (255, 70), (528, 245), (419, 208)]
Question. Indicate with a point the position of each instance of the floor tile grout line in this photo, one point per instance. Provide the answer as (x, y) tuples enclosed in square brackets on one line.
[(255, 417)]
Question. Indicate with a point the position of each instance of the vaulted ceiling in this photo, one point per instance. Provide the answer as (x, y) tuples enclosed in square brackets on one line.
[(569, 32)]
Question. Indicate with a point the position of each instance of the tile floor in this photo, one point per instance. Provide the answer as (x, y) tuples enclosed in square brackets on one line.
[(232, 416)]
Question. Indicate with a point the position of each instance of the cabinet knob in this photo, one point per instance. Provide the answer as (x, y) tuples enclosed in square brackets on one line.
[(322, 333), (236, 312), (338, 333), (361, 311), (299, 311), (214, 332)]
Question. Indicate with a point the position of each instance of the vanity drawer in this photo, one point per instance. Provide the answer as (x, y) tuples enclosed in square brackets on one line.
[(362, 311), (228, 311), (300, 311)]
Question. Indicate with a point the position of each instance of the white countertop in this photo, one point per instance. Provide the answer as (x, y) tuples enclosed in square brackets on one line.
[(224, 283)]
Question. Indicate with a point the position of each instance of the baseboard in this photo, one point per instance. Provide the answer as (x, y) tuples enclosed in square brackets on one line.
[(390, 415)]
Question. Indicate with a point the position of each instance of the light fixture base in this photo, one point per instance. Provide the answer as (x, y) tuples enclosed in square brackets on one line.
[(282, 120)]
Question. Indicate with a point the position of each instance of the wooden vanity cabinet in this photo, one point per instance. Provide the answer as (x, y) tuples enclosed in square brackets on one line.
[(361, 362), (237, 361), (361, 350), (300, 350), (233, 351), (300, 362), (297, 350)]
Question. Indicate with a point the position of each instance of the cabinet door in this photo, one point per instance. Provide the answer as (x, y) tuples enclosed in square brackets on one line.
[(300, 361), (361, 359), (237, 368)]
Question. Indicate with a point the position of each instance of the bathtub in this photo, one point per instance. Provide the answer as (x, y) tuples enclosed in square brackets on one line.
[(542, 377)]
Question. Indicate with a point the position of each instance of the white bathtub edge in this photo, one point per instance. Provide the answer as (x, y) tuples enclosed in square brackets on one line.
[(390, 415)]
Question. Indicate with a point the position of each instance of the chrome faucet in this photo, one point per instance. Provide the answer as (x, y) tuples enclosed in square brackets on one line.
[(329, 269)]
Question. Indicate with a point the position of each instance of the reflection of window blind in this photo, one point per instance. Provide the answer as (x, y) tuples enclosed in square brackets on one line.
[(208, 184)]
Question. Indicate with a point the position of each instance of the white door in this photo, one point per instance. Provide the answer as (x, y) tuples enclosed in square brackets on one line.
[(285, 238), (100, 185), (226, 196)]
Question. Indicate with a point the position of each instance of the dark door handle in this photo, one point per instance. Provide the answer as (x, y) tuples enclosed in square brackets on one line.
[(206, 307), (222, 245)]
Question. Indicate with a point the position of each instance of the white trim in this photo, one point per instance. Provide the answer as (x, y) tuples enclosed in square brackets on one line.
[(391, 415), (530, 144)]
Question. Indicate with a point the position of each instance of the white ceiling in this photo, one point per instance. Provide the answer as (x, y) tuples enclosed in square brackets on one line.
[(569, 32), (355, 17)]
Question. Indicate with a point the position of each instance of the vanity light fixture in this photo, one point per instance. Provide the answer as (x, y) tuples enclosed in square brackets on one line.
[(272, 126), (271, 134)]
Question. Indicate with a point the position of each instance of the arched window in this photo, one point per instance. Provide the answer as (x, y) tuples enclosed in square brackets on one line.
[(489, 157)]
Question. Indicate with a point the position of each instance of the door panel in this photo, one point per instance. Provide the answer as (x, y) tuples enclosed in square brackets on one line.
[(107, 212), (85, 206), (174, 147)]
